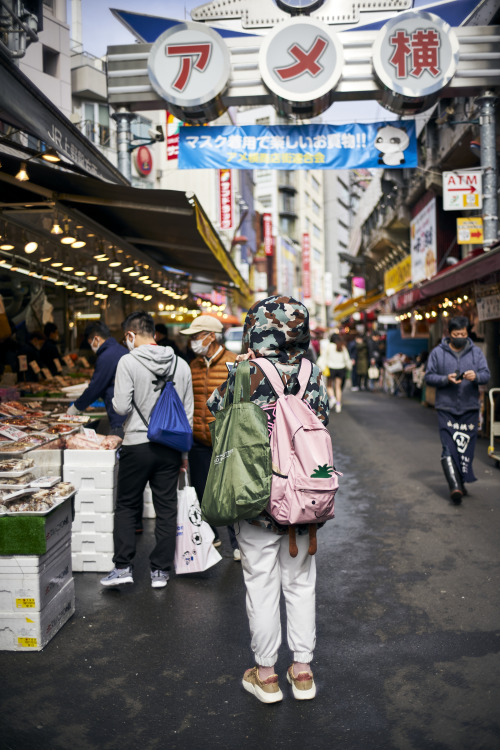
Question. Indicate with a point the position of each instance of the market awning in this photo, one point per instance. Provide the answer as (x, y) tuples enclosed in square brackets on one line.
[(357, 304), (25, 107), (167, 226)]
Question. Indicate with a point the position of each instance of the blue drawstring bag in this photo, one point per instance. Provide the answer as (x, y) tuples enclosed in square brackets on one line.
[(168, 423)]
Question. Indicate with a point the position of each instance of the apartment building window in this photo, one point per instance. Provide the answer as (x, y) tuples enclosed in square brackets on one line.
[(316, 183), (316, 208), (287, 226), (48, 4), (288, 204), (316, 231), (307, 198), (95, 123), (50, 61), (265, 201)]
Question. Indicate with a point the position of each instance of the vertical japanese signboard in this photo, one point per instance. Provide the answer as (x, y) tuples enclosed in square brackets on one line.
[(423, 243), (173, 127), (306, 266), (225, 199), (267, 227)]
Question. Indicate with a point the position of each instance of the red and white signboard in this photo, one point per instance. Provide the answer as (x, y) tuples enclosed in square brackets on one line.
[(144, 161), (462, 189), (267, 227), (173, 125), (306, 266), (225, 199)]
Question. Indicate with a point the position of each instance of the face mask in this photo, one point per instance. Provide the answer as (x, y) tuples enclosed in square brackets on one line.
[(459, 342), (130, 343), (94, 347), (198, 348)]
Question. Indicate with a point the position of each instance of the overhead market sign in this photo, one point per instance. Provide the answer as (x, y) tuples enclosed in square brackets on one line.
[(391, 145), (462, 189)]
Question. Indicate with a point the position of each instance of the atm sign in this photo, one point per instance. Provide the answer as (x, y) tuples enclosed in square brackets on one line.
[(462, 190)]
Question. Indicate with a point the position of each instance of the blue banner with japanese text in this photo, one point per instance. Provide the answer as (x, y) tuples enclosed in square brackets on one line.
[(380, 144)]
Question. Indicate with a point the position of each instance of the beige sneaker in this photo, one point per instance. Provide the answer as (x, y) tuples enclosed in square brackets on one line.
[(267, 691), (303, 685)]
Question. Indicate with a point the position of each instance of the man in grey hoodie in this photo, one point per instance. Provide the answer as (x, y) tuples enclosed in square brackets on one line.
[(139, 378)]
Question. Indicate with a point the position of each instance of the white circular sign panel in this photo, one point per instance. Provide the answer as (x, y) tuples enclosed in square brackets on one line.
[(189, 65), (301, 60), (415, 54)]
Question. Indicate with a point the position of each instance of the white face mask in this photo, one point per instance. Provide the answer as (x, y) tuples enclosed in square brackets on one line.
[(94, 346), (199, 349), (130, 342)]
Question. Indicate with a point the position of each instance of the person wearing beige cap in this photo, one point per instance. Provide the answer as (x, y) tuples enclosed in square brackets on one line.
[(208, 371)]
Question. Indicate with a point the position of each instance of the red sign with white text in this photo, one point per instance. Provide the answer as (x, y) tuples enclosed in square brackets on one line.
[(225, 199), (267, 227), (306, 266)]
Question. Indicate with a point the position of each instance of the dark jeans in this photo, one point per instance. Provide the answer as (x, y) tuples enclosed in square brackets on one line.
[(199, 465), (138, 465)]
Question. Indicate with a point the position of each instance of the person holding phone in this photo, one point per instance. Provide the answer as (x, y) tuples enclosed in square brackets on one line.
[(456, 368), (209, 369)]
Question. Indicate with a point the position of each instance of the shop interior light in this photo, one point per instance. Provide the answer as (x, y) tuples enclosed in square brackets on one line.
[(80, 273), (90, 294), (60, 282), (56, 227), (134, 273), (56, 264), (148, 297), (139, 296), (115, 264), (71, 286), (112, 286), (142, 278), (68, 237), (128, 269), (23, 175), (68, 268), (30, 247), (6, 245), (46, 259), (92, 278), (80, 289), (127, 291), (50, 155), (102, 282), (147, 281), (155, 286), (78, 243), (101, 258), (120, 288), (161, 306)]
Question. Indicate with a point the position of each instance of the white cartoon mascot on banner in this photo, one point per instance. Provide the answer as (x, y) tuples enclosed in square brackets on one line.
[(391, 142)]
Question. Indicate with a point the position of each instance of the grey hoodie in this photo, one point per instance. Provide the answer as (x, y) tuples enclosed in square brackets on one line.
[(136, 377)]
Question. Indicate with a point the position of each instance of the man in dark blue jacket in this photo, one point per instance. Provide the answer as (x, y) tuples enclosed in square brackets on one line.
[(109, 352), (456, 368)]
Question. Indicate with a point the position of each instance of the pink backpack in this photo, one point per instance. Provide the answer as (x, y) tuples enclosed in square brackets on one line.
[(304, 479)]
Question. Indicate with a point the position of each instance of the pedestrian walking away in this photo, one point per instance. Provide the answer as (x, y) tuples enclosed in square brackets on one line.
[(456, 368), (335, 357), (209, 369), (277, 328), (140, 376)]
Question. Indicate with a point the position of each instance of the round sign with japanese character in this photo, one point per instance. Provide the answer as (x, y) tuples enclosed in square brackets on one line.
[(189, 65), (415, 54), (301, 60)]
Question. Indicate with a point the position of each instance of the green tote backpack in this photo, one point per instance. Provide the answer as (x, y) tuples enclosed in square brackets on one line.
[(239, 479)]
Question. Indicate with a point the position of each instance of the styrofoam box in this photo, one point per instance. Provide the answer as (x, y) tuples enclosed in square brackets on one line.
[(32, 564), (92, 543), (84, 459), (93, 523), (88, 562), (31, 631), (94, 501), (91, 477), (149, 511), (31, 592), (46, 462)]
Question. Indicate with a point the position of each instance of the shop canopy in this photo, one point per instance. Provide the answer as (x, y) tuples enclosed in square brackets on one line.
[(168, 226), (357, 304)]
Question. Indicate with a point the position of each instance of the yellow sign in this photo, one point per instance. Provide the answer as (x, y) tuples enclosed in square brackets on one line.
[(398, 276), (470, 231), (25, 603)]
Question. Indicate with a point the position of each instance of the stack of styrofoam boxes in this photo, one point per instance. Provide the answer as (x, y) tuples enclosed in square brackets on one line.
[(94, 475), (37, 592), (149, 508)]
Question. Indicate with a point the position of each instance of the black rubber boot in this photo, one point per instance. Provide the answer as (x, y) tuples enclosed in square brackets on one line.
[(453, 478)]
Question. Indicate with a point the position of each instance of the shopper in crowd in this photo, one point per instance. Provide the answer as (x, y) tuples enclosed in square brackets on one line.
[(209, 369), (163, 339), (102, 384), (335, 357), (277, 328), (456, 368), (376, 358), (139, 380), (29, 359), (50, 349), (360, 358)]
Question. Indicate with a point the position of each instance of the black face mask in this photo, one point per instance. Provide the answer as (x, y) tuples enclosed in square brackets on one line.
[(459, 342)]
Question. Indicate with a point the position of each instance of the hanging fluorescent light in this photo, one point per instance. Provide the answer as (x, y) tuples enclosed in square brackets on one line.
[(80, 273), (120, 288), (128, 269), (92, 278), (56, 264), (30, 247), (6, 245), (115, 264), (148, 297), (135, 273), (68, 268), (46, 259), (112, 286), (142, 278)]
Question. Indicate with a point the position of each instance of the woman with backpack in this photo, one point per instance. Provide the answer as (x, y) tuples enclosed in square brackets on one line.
[(277, 328)]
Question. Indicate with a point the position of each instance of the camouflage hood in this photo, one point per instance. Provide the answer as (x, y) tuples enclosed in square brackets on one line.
[(278, 328)]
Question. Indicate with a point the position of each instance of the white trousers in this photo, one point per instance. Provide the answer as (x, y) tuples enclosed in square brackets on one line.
[(268, 568)]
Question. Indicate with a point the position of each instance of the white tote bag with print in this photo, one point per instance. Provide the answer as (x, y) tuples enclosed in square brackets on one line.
[(194, 549)]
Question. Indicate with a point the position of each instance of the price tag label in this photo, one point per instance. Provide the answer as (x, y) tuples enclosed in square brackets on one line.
[(84, 361), (12, 432), (60, 381), (25, 603), (23, 362), (46, 373), (68, 361), (35, 367), (90, 434), (45, 482), (27, 642), (58, 365)]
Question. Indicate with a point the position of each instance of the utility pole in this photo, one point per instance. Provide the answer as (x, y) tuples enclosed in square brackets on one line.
[(123, 137), (489, 167)]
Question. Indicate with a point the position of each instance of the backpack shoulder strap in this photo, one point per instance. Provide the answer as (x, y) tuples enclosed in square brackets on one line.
[(271, 374), (304, 375)]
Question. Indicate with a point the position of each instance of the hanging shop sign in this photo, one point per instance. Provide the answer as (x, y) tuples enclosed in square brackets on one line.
[(173, 127), (189, 67), (462, 189), (349, 146), (423, 243), (487, 301), (267, 229), (415, 55), (398, 276), (306, 266), (143, 161), (225, 199), (301, 63), (470, 230), (286, 261)]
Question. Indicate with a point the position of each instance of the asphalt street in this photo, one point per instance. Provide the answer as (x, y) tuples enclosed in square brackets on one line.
[(408, 604)]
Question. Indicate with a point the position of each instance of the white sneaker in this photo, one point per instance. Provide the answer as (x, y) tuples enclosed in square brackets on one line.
[(117, 577), (159, 579), (338, 407), (331, 402), (236, 555)]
